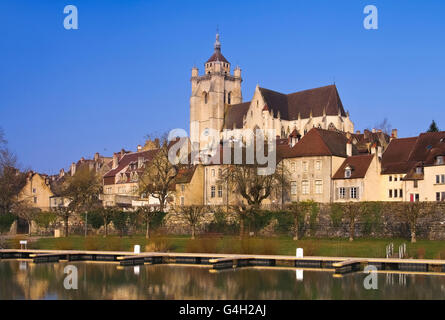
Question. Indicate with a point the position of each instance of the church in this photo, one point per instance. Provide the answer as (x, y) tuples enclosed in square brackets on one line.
[(216, 104)]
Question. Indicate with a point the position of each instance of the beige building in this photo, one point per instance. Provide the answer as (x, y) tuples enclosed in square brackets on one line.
[(189, 186), (413, 168), (121, 183), (37, 191)]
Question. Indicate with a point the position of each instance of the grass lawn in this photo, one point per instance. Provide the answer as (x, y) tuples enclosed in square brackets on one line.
[(230, 244)]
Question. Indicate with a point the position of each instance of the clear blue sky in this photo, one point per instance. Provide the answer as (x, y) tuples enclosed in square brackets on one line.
[(125, 72)]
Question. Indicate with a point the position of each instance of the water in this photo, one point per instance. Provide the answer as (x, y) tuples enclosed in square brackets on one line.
[(26, 280)]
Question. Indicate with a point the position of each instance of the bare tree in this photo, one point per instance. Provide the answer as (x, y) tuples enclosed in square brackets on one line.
[(253, 187), (159, 174), (352, 211), (299, 211), (411, 212), (107, 216), (385, 126), (12, 180), (242, 211), (192, 216), (146, 214), (64, 213), (82, 190)]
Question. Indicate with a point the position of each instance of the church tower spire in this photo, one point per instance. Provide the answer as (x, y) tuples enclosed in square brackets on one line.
[(212, 93)]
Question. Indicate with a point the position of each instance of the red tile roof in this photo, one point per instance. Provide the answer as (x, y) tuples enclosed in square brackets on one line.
[(317, 142), (359, 165), (129, 158)]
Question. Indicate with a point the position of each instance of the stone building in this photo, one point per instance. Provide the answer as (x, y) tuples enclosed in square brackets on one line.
[(216, 104)]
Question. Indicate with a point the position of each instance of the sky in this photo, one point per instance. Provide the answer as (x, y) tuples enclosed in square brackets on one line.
[(125, 72)]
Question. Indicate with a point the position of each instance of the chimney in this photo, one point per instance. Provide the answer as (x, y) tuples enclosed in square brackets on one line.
[(349, 148), (96, 156), (115, 161), (394, 133), (139, 148), (73, 169), (373, 130), (379, 152), (357, 132)]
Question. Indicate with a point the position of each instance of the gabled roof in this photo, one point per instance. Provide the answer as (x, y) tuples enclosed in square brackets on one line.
[(129, 158), (318, 101), (235, 114), (402, 155), (359, 165), (395, 159), (185, 175), (317, 142)]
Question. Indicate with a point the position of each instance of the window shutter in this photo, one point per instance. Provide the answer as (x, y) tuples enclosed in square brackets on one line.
[(337, 193), (358, 192), (348, 193)]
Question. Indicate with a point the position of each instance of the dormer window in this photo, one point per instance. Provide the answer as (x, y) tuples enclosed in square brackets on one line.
[(348, 172), (440, 160), (419, 170)]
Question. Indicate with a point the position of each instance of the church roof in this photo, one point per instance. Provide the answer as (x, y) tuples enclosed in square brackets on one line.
[(318, 101), (217, 56)]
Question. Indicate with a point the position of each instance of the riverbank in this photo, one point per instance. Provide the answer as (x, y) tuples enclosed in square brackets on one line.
[(373, 248)]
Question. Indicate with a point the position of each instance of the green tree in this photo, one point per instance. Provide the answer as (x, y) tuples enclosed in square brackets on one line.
[(433, 127), (120, 221), (46, 220)]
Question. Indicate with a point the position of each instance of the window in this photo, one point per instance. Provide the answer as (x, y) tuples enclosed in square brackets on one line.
[(182, 187), (34, 190), (440, 160), (437, 196), (354, 193), (395, 178), (305, 187), (437, 179), (212, 191), (442, 180), (415, 183), (205, 96), (35, 199), (390, 193), (318, 186), (342, 193), (293, 187), (419, 170), (229, 98), (220, 191), (318, 165), (348, 173), (305, 166), (219, 173), (390, 178), (395, 193), (182, 201), (417, 197), (400, 193), (292, 166)]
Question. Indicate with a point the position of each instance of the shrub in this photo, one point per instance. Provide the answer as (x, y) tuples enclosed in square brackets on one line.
[(159, 245), (6, 221), (285, 222), (336, 215), (46, 220), (120, 221)]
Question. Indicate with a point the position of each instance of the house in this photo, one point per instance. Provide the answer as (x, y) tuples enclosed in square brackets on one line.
[(189, 186), (357, 179), (311, 163), (121, 183)]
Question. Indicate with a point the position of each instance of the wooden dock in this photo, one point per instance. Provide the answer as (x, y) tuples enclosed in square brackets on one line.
[(341, 265)]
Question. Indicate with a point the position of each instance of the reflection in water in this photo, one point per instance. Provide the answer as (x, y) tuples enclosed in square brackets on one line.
[(26, 280)]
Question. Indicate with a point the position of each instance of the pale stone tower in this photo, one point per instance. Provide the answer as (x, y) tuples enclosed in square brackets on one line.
[(212, 93)]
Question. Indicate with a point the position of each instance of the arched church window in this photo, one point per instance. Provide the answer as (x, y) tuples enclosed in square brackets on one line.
[(205, 97), (331, 126), (229, 98)]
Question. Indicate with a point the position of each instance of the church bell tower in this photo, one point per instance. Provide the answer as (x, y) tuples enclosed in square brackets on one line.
[(212, 93)]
